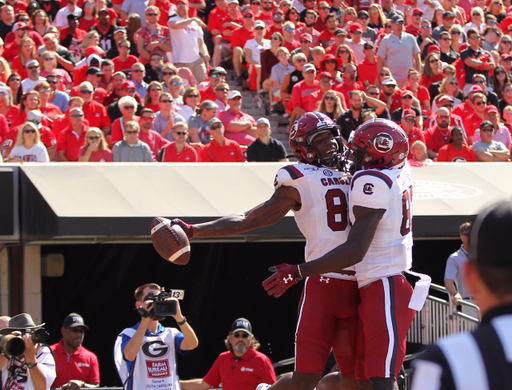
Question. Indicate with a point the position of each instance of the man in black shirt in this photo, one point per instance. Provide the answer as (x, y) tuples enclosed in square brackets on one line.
[(475, 59), (266, 148), (6, 20), (479, 360), (105, 30), (351, 120)]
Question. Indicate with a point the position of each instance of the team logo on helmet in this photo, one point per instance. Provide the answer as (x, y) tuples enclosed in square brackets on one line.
[(383, 142), (295, 128)]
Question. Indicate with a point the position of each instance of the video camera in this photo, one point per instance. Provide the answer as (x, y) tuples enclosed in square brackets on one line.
[(161, 306)]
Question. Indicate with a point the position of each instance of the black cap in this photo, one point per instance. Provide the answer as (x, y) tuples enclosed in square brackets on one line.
[(397, 18), (485, 124), (73, 16), (362, 13), (74, 320), (490, 242), (242, 324), (339, 31), (448, 14), (94, 70), (217, 69)]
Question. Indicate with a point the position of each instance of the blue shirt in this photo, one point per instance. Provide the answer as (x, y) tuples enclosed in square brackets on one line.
[(61, 100)]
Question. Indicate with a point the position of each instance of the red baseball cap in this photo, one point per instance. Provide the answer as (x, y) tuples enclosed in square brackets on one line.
[(324, 74), (307, 36), (432, 48), (417, 11), (356, 27), (476, 88), (128, 84), (408, 112), (406, 92), (491, 108)]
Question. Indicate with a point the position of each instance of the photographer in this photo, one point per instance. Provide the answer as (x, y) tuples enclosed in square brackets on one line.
[(33, 366), (154, 363)]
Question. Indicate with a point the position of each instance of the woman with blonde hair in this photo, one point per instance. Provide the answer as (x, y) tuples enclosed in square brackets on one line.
[(29, 146), (5, 70), (377, 18), (27, 52), (151, 100), (48, 62), (449, 87), (95, 148), (384, 73), (330, 105), (348, 16), (7, 108), (456, 35), (498, 9), (477, 20)]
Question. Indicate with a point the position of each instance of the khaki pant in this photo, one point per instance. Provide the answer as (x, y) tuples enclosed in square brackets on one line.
[(198, 68)]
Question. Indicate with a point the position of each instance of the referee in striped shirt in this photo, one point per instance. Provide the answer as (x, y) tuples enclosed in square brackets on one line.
[(481, 360)]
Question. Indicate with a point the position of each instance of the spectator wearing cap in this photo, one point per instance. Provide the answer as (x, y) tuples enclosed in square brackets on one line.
[(149, 136), (486, 275), (124, 60), (33, 78), (131, 148), (239, 38), (239, 126), (399, 52), (75, 365), (448, 55), (438, 135), (475, 59), (216, 76), (448, 22), (390, 93), (110, 38), (118, 79), (35, 368), (72, 36), (305, 46), (106, 27), (178, 150), (71, 139), (327, 34), (369, 34), (501, 133), (414, 28), (408, 124), (456, 151), (356, 43), (308, 27), (367, 68), (250, 369), (46, 135), (472, 122), (277, 23), (349, 82), (220, 149), (94, 112), (152, 37), (506, 61), (188, 46), (266, 148), (93, 75), (7, 20), (446, 102), (127, 89), (20, 30), (340, 36), (61, 19), (407, 101), (302, 91), (65, 59), (466, 108), (487, 149), (222, 41)]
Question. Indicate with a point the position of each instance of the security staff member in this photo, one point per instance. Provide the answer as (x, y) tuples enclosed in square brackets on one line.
[(482, 359)]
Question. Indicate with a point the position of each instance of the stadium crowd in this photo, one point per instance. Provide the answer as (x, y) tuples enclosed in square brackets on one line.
[(91, 80)]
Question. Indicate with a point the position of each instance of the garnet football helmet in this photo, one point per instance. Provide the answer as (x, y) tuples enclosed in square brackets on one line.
[(305, 129), (378, 143)]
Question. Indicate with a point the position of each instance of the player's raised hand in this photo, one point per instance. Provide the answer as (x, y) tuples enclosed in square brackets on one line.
[(187, 228), (285, 276)]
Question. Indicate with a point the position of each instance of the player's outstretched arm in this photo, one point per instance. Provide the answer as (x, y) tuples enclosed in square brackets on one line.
[(285, 198), (341, 257)]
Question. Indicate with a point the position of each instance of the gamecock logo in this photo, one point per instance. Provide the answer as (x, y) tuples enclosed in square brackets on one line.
[(383, 142)]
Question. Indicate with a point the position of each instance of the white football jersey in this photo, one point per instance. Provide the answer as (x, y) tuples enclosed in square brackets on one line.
[(390, 252), (323, 216)]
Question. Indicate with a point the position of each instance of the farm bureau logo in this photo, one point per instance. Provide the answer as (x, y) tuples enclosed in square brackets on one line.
[(425, 189)]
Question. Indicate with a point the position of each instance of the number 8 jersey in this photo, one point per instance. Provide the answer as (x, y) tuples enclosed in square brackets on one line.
[(323, 216), (390, 252)]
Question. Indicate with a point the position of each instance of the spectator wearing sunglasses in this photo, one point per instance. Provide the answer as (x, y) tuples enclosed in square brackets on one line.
[(28, 146), (487, 149), (127, 89), (166, 117), (71, 139), (95, 148), (216, 76), (94, 112), (240, 127), (241, 367), (178, 150)]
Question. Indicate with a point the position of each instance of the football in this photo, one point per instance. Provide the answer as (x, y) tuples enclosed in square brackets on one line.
[(170, 241)]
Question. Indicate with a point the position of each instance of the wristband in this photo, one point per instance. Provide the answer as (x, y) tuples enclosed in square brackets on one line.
[(182, 322), (31, 365)]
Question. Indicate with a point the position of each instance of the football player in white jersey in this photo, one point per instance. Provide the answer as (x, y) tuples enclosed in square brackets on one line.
[(316, 190), (379, 246)]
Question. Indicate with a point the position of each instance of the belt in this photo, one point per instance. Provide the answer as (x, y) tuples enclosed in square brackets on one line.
[(346, 272)]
